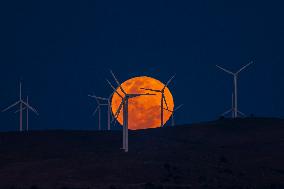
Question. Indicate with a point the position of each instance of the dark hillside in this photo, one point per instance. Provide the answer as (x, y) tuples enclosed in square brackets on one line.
[(242, 153)]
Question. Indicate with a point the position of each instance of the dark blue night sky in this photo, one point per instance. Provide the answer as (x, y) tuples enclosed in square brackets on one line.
[(63, 51)]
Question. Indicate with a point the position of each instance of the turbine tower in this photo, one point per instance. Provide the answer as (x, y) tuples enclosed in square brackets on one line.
[(22, 105), (163, 98), (102, 102), (124, 106), (235, 75), (173, 112)]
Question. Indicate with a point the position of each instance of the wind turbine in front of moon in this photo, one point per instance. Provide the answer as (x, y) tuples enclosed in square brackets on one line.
[(144, 111)]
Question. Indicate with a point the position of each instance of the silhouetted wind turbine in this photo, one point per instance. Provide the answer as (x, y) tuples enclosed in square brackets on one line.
[(173, 112), (98, 109), (21, 103), (124, 105), (235, 94), (163, 98)]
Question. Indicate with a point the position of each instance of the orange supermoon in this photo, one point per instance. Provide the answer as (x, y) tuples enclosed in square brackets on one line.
[(143, 111)]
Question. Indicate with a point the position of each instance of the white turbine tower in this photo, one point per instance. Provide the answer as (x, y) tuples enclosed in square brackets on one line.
[(163, 98), (124, 105), (102, 102), (20, 102), (173, 112), (235, 75)]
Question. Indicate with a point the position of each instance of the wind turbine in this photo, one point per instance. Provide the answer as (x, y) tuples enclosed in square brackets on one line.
[(27, 113), (235, 75), (173, 112), (163, 98), (102, 102), (124, 106), (20, 102)]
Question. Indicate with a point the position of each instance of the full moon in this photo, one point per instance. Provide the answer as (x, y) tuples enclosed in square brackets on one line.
[(143, 111)]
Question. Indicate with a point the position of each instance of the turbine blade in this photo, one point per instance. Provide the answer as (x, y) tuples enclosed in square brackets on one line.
[(244, 67), (169, 81), (92, 96), (177, 108), (119, 109), (241, 113), (111, 85), (225, 70), (19, 110), (111, 114), (114, 89), (225, 113), (16, 103), (136, 95), (101, 98), (110, 96), (164, 98), (96, 110), (95, 97), (115, 121), (31, 108), (146, 89), (168, 110), (116, 80)]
